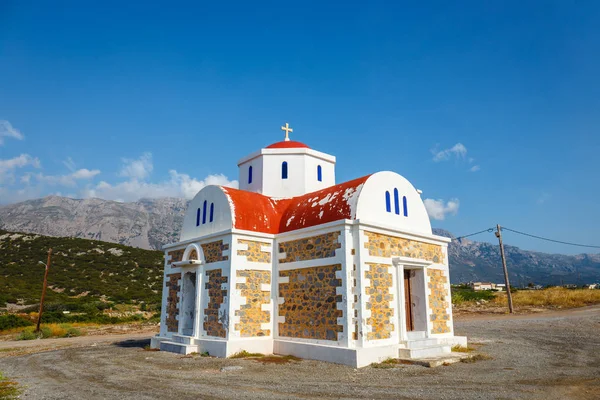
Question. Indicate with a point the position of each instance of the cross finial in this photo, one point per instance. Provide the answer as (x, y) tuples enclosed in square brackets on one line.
[(287, 130)]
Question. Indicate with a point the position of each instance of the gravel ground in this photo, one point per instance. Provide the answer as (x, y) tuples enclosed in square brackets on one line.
[(533, 357)]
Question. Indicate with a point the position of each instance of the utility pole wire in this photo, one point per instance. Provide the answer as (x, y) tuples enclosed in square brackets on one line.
[(550, 240)]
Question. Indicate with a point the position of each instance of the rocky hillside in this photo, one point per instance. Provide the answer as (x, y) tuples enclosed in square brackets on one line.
[(147, 224), (150, 223), (477, 261), (81, 270)]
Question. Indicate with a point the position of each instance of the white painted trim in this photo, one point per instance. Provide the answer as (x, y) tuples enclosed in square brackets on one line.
[(198, 239), (283, 151), (187, 263), (412, 262)]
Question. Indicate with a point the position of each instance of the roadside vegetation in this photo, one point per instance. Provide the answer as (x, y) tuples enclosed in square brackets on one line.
[(465, 299), (9, 390)]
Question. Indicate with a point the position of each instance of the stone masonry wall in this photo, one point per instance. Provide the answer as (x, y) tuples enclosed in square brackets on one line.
[(310, 303), (438, 300), (388, 246), (378, 303), (216, 296), (172, 311), (213, 251), (311, 248), (254, 252), (176, 255), (251, 314)]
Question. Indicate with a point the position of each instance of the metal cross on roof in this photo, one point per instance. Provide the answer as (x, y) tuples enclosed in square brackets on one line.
[(287, 130)]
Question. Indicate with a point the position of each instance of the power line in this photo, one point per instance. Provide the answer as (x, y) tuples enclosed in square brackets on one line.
[(551, 240), (490, 230)]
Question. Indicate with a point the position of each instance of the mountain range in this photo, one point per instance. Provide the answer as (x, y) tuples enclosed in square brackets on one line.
[(151, 223)]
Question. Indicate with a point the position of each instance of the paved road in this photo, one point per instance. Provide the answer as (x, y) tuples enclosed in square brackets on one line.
[(540, 356)]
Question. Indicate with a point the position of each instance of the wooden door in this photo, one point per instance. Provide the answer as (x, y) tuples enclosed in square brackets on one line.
[(407, 302)]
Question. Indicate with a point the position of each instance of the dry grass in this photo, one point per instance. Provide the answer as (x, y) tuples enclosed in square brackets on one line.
[(476, 357), (462, 349), (8, 389), (552, 297), (278, 359), (245, 354)]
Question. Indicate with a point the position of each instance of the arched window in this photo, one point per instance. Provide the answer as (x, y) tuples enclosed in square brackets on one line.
[(396, 202), (319, 173), (405, 205), (388, 202), (198, 217), (204, 213), (284, 170), (212, 210), (250, 174)]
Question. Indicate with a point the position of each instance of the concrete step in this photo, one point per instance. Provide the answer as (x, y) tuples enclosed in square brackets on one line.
[(419, 343), (183, 339), (414, 335), (180, 348), (424, 352)]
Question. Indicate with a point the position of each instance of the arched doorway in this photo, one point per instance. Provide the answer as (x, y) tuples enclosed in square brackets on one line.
[(188, 306)]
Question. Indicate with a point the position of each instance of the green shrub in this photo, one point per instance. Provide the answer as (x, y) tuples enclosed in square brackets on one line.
[(73, 332), (27, 334), (13, 321)]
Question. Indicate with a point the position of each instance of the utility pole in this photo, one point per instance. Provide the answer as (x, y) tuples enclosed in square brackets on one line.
[(39, 321), (508, 295)]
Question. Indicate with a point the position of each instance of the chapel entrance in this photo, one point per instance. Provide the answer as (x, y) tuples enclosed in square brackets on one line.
[(188, 303), (408, 309)]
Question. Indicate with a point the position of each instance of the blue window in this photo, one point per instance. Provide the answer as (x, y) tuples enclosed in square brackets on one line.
[(284, 170), (198, 217), (396, 202), (250, 174), (388, 202), (319, 173), (405, 205), (204, 213), (212, 210)]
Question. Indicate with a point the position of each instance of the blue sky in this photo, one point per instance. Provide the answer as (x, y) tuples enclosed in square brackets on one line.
[(491, 108)]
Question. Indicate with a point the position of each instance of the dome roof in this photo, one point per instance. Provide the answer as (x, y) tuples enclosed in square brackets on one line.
[(258, 213), (288, 144)]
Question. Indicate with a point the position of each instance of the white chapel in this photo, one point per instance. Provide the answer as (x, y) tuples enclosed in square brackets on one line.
[(294, 263)]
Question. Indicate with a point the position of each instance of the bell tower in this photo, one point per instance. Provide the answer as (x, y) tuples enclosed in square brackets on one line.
[(286, 169)]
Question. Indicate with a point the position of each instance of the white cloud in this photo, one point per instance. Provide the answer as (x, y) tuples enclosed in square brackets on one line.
[(458, 151), (8, 131), (178, 185), (475, 168), (138, 169), (8, 166), (438, 209), (69, 179)]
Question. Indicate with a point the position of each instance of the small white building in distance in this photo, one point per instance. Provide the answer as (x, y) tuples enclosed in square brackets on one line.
[(293, 263)]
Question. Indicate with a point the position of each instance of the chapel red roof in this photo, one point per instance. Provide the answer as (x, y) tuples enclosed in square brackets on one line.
[(288, 144), (255, 212)]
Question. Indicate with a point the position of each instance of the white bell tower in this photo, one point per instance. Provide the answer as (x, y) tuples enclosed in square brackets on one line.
[(286, 169)]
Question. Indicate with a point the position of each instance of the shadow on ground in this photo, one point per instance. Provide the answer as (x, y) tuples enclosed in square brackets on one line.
[(141, 343)]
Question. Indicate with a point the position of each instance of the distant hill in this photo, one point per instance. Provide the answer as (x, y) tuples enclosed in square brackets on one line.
[(480, 261), (81, 270), (150, 223)]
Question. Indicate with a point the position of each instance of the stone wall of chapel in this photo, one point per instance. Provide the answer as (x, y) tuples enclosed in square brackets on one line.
[(213, 251), (381, 245), (380, 296), (310, 248), (254, 253), (213, 325), (439, 300), (172, 309), (309, 303), (251, 314)]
